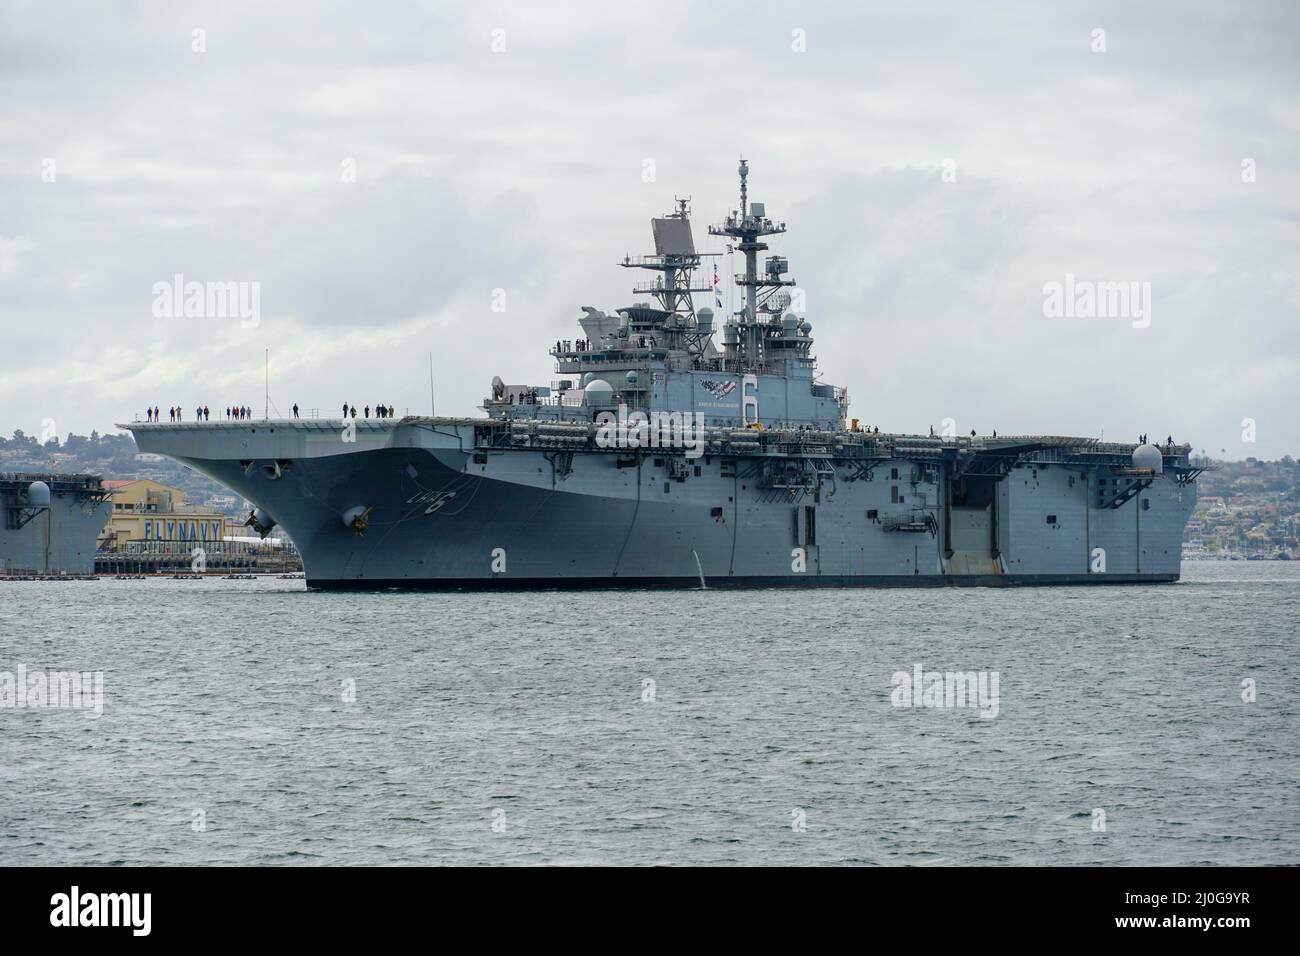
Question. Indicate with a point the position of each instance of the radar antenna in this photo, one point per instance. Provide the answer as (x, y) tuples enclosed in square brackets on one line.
[(748, 227), (675, 260)]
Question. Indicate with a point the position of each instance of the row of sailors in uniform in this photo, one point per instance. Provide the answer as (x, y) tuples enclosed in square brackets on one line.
[(242, 412), (350, 411), (201, 413), (566, 345)]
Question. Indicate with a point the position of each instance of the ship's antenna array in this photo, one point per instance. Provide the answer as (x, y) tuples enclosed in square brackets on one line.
[(675, 260), (763, 293)]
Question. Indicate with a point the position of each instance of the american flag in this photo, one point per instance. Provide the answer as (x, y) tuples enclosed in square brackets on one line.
[(717, 291)]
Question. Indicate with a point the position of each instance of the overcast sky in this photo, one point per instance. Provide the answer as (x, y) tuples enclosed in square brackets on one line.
[(126, 158)]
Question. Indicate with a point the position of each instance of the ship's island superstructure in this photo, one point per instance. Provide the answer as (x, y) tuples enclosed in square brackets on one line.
[(677, 451), (51, 523)]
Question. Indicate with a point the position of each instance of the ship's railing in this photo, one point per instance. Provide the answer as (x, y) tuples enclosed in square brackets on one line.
[(58, 482), (571, 347), (304, 414), (764, 226), (676, 260), (566, 401)]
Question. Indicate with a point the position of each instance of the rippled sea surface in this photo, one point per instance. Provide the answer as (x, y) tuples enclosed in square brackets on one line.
[(523, 728)]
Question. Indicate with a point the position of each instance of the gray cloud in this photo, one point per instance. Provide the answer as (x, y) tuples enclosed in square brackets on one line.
[(523, 171)]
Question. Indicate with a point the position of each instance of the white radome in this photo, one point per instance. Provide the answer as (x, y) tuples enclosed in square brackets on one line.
[(38, 494), (1149, 458), (598, 392)]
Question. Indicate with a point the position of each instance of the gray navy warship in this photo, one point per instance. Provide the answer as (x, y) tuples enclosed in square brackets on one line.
[(51, 523), (676, 450)]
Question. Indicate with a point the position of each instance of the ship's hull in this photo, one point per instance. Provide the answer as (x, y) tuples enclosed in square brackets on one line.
[(686, 583), (441, 512)]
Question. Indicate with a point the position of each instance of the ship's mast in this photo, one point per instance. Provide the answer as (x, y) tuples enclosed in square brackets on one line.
[(747, 228), (675, 260)]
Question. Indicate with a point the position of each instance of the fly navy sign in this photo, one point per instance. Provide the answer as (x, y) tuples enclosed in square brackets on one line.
[(171, 530)]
